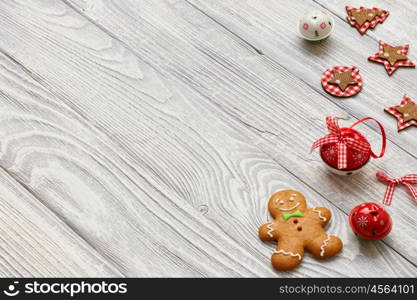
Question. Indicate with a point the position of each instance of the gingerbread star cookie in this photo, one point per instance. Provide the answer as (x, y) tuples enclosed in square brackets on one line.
[(392, 57), (392, 54), (342, 81), (406, 113), (364, 18)]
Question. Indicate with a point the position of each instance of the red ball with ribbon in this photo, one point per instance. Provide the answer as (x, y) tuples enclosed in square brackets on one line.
[(346, 150), (370, 221)]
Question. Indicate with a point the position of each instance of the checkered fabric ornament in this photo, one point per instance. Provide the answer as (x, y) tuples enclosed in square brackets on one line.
[(382, 56), (345, 148), (335, 89), (370, 17), (405, 118)]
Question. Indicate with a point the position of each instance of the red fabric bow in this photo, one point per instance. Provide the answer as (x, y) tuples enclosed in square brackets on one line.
[(406, 180), (343, 143)]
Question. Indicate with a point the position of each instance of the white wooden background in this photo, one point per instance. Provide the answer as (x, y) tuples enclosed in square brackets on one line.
[(143, 138)]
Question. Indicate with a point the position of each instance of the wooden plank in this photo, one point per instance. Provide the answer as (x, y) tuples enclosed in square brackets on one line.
[(347, 263), (178, 140), (258, 92), (94, 188), (34, 242)]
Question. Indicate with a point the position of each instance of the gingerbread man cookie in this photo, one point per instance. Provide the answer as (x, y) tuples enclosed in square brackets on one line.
[(296, 227)]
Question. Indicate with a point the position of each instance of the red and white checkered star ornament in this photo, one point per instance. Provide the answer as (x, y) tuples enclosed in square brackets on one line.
[(334, 89), (382, 56), (396, 112)]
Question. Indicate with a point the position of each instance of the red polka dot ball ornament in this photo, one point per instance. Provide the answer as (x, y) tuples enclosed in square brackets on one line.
[(370, 221), (345, 151)]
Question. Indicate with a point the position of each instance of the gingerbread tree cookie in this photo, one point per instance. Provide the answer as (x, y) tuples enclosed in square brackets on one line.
[(297, 228), (364, 18)]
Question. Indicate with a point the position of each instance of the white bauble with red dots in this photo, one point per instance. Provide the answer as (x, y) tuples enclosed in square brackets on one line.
[(315, 25)]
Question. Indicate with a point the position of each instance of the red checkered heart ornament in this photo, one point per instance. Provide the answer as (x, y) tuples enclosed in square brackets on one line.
[(345, 150)]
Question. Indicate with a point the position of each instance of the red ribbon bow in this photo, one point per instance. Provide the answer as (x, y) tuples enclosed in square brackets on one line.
[(343, 143), (406, 180)]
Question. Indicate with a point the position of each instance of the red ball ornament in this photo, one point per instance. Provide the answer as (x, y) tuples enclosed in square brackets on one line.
[(345, 150), (355, 159), (370, 221)]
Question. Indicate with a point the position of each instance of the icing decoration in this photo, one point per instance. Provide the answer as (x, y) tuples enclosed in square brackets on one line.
[(319, 213), (289, 253), (297, 213), (324, 245), (270, 229), (291, 208)]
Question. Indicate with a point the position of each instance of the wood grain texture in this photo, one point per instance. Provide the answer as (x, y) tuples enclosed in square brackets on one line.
[(89, 183), (34, 242), (180, 139), (259, 91)]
